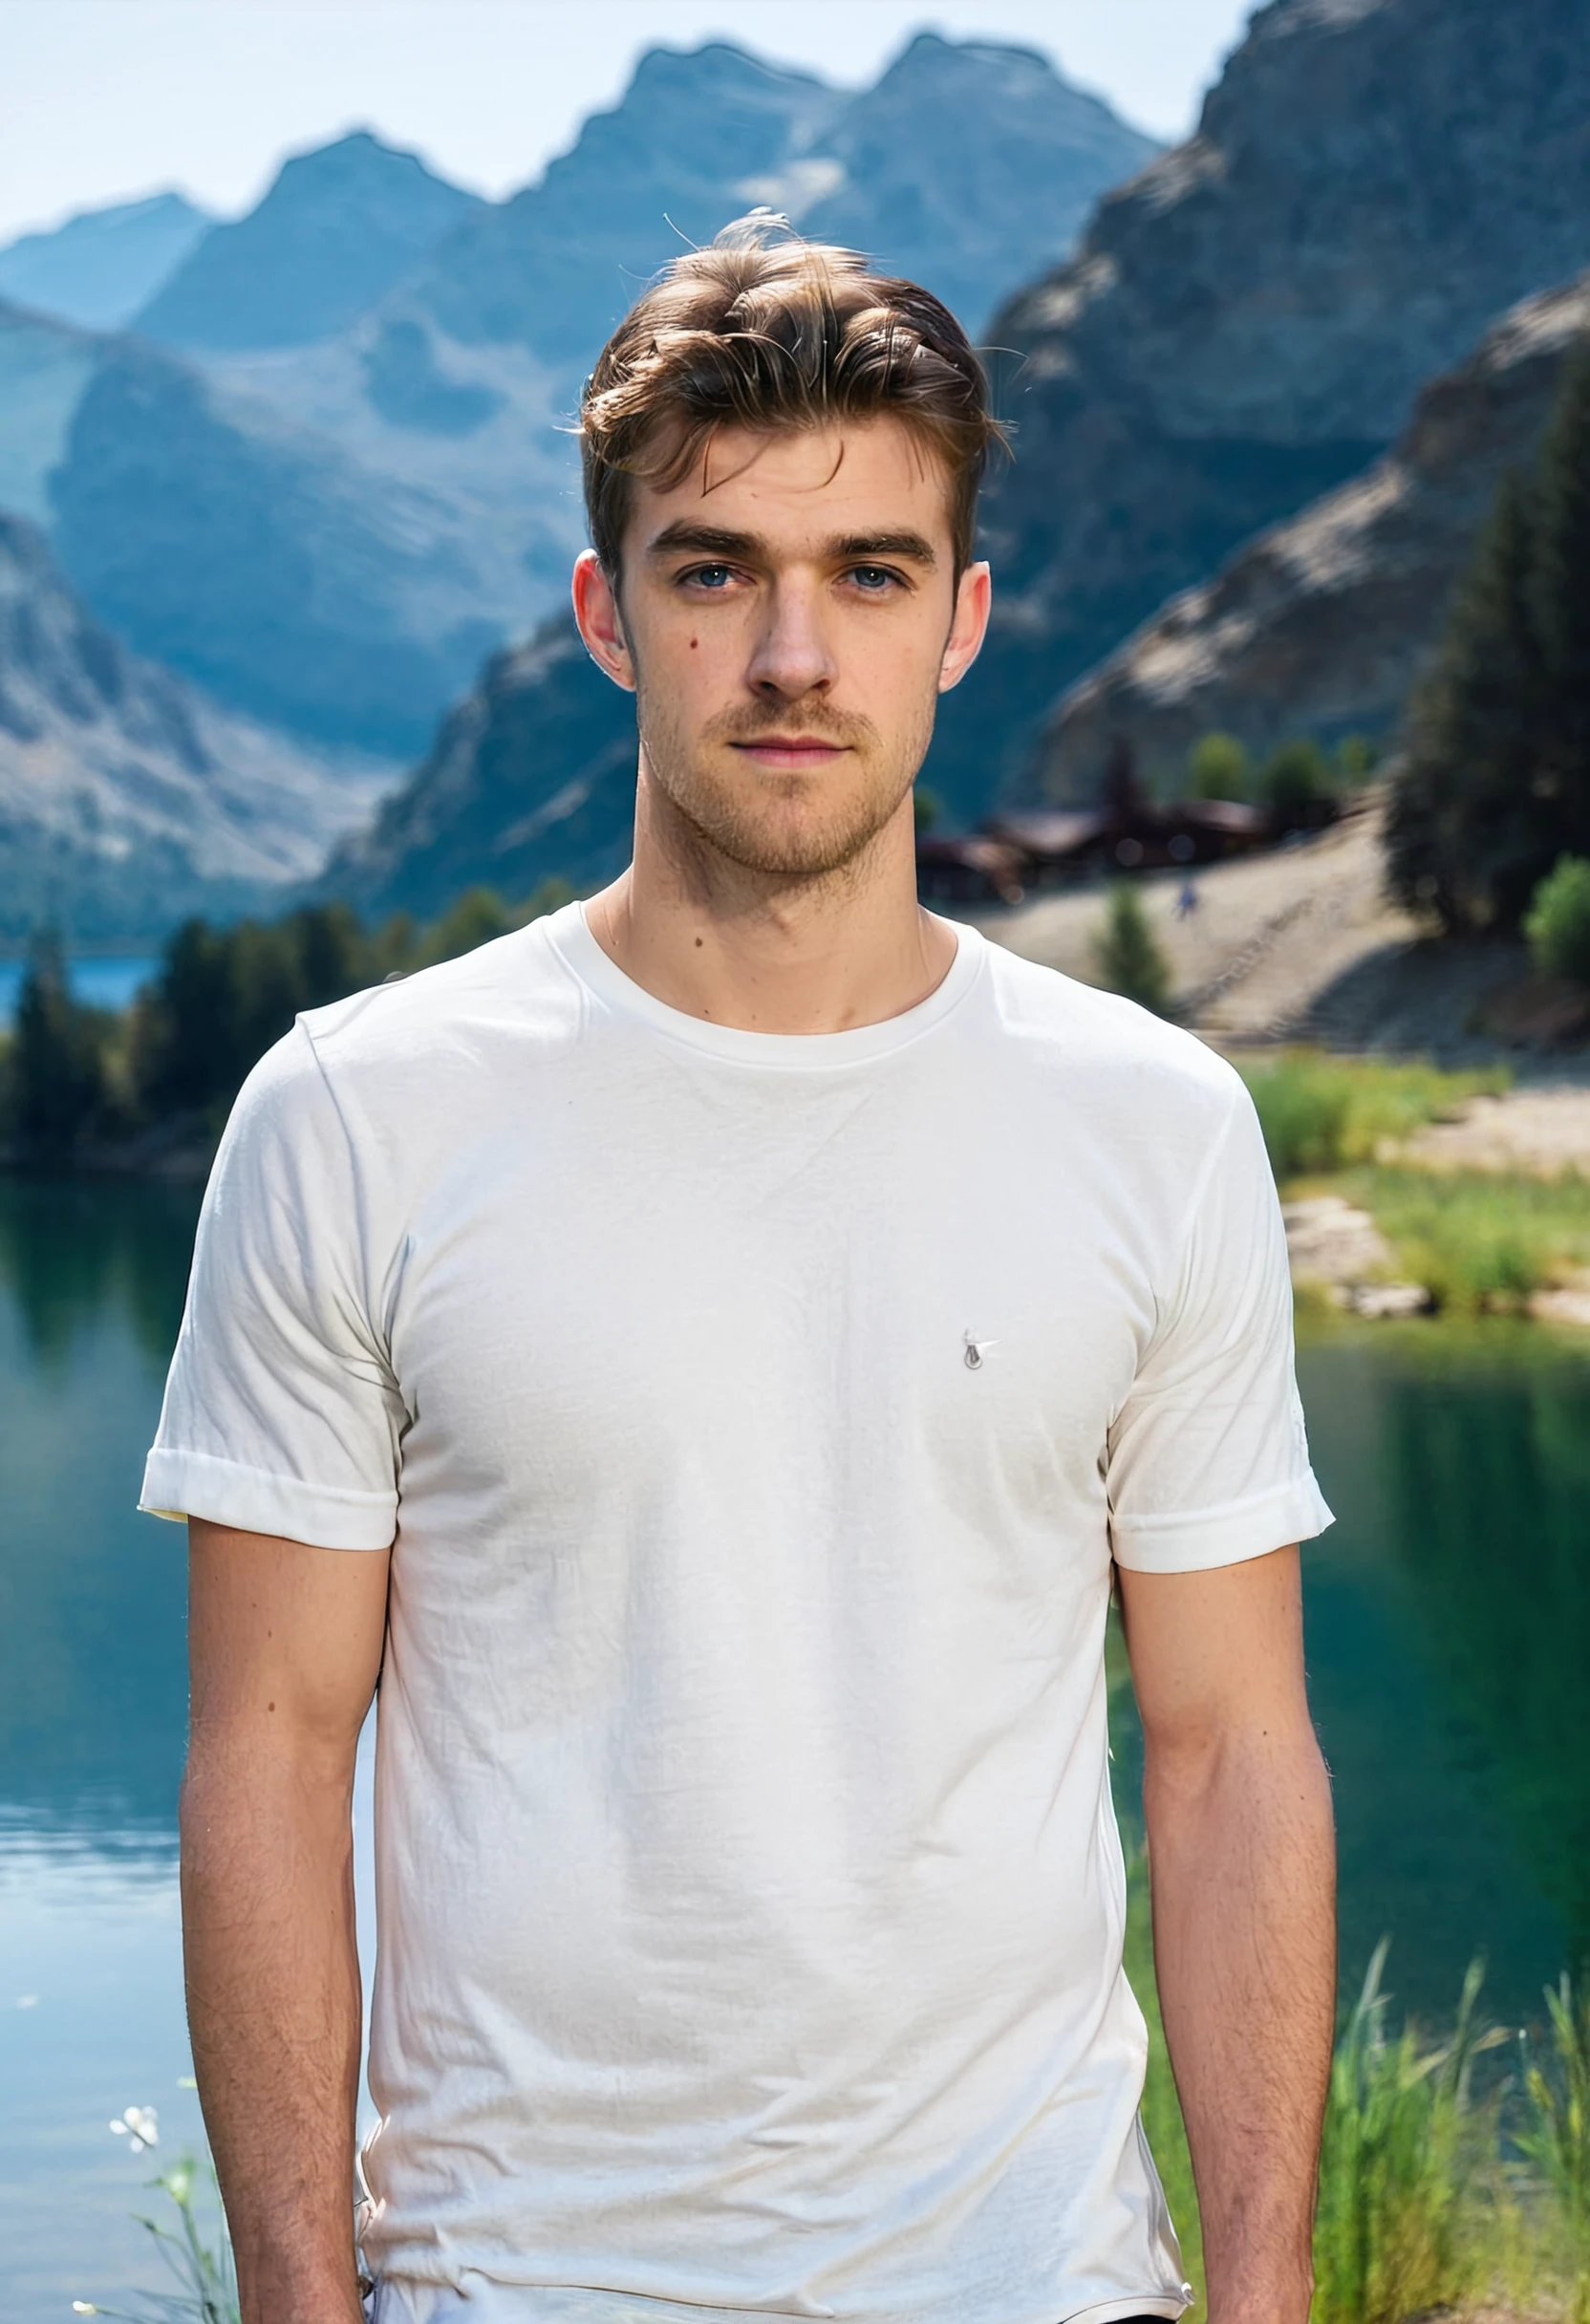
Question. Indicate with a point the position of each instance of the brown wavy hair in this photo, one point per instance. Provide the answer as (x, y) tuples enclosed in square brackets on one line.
[(763, 330)]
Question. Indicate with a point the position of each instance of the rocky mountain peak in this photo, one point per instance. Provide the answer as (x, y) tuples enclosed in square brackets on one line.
[(1247, 324), (98, 268), (338, 229), (967, 158)]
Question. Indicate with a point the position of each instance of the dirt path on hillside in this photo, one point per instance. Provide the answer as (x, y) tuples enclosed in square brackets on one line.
[(1539, 1133), (1304, 944)]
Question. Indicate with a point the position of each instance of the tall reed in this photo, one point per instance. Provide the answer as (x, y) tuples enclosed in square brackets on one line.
[(1407, 2168), (1557, 2140)]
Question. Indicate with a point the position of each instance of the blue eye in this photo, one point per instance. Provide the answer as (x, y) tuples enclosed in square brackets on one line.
[(874, 579), (709, 576)]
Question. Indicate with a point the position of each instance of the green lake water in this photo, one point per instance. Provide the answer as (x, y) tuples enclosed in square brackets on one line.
[(1449, 1631)]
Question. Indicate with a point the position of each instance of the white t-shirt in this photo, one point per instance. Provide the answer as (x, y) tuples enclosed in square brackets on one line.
[(757, 1416)]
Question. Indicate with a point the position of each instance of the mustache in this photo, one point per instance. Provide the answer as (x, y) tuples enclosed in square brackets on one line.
[(755, 721)]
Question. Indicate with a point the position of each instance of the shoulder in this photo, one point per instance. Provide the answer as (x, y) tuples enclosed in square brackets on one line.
[(1110, 1053), (405, 1068), (515, 988)]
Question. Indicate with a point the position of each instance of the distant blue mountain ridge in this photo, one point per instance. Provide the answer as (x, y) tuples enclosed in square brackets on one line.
[(338, 229), (332, 466), (103, 266)]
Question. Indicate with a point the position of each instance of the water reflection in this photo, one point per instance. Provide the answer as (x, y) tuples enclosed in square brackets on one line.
[(1490, 1465), (92, 1679), (1449, 1632), (1449, 1612)]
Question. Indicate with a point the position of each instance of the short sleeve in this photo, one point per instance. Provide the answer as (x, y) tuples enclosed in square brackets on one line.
[(1208, 1458), (281, 1414)]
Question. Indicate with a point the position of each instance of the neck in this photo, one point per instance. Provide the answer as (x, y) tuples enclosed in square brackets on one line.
[(771, 952)]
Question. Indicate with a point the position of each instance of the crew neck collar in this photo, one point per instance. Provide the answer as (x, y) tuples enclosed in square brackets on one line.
[(570, 934)]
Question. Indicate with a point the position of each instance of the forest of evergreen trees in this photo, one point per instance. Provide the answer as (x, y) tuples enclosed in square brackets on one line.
[(1494, 792), (76, 1077)]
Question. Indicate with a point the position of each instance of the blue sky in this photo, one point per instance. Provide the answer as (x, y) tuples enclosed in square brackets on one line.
[(106, 99)]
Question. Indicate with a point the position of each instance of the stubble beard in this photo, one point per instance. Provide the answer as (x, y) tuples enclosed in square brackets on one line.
[(741, 813)]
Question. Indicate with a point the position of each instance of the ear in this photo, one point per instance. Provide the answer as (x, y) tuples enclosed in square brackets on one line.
[(974, 595), (601, 624)]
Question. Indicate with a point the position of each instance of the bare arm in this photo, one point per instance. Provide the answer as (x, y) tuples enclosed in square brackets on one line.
[(1241, 1858), (284, 1644)]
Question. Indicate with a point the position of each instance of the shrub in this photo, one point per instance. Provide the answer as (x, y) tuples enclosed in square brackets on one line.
[(1480, 1244), (1125, 956), (1295, 784), (1324, 1113), (1559, 922), (1355, 758), (1218, 768)]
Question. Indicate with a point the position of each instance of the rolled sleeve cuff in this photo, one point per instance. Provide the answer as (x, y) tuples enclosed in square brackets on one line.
[(329, 1516), (1249, 1528)]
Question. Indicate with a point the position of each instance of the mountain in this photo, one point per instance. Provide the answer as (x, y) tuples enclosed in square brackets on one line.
[(345, 472), (125, 799), (1247, 324), (967, 167), (256, 559), (554, 267), (531, 776), (337, 229), (970, 163), (1321, 625), (103, 266), (45, 367)]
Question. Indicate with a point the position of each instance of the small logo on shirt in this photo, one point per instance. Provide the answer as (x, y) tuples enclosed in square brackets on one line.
[(975, 1350)]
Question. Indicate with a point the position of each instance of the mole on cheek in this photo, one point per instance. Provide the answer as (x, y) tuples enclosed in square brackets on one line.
[(693, 645)]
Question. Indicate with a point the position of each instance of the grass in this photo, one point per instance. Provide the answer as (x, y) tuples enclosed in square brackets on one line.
[(1322, 1113), (1481, 1245), (200, 2268), (1440, 2187), (1558, 2142), (1433, 2191), (1481, 1242), (1414, 2211)]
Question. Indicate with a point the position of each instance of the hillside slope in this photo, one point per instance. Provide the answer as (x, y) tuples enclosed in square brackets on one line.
[(249, 554), (1321, 625), (126, 800), (531, 776), (1372, 182)]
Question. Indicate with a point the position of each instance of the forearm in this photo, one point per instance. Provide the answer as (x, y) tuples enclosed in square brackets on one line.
[(274, 2010), (1241, 1860)]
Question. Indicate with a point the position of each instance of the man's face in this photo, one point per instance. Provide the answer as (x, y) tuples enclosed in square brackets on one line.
[(790, 614)]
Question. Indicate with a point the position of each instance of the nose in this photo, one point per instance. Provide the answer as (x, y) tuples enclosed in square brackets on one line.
[(792, 655)]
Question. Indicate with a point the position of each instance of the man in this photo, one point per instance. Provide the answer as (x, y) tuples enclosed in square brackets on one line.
[(718, 1345)]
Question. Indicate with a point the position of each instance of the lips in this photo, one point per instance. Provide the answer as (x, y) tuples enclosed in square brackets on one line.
[(790, 751)]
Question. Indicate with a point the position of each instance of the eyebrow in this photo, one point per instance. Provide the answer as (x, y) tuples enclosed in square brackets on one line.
[(851, 548)]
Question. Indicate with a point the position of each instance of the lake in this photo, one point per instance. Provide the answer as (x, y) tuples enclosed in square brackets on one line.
[(1448, 1626)]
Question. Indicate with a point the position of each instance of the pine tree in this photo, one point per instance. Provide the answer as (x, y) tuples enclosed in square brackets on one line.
[(1497, 783), (1563, 608), (59, 1063), (1460, 833), (1128, 960)]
